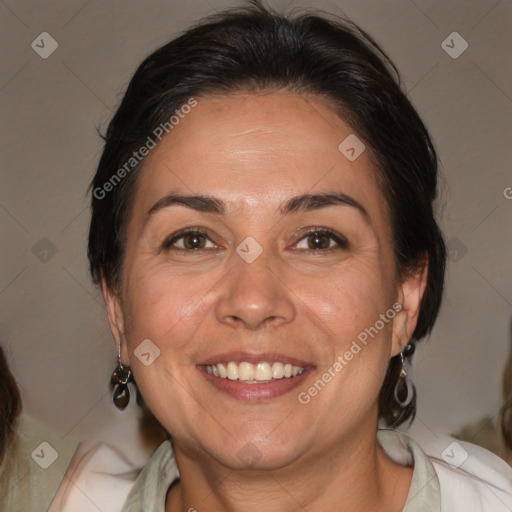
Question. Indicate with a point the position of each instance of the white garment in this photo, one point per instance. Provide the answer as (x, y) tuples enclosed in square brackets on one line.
[(101, 478), (482, 482), (98, 478)]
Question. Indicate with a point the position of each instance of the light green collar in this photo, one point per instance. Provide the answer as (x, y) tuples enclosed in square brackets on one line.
[(150, 489)]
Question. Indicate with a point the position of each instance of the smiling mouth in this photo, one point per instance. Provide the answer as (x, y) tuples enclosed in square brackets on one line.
[(249, 373)]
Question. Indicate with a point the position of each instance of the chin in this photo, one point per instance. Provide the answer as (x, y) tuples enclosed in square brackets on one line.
[(251, 452)]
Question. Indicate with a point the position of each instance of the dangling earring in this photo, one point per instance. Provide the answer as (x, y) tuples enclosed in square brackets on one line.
[(121, 376), (403, 379)]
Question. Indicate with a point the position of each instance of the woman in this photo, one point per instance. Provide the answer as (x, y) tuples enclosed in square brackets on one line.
[(263, 234), (33, 457)]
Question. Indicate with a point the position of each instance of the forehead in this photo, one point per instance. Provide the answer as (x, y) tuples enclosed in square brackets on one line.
[(253, 148)]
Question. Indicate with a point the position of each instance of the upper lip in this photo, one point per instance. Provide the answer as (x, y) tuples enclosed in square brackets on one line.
[(254, 357)]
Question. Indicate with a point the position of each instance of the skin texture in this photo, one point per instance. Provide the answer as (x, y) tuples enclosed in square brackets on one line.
[(254, 151)]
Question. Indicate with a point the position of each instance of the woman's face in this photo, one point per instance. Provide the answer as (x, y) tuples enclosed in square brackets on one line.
[(291, 266)]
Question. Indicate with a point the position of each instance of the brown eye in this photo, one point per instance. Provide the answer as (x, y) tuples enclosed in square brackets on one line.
[(194, 241), (188, 241), (318, 241), (323, 240)]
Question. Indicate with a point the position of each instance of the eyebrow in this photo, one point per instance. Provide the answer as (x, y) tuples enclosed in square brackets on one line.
[(297, 204), (309, 202)]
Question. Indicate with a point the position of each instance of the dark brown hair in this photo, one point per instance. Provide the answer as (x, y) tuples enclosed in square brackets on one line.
[(256, 49), (506, 410), (10, 404)]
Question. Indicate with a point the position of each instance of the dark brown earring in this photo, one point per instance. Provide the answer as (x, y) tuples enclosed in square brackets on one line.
[(404, 380), (121, 376)]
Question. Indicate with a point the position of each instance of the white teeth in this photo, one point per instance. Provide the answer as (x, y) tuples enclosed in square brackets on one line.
[(223, 373), (232, 371), (278, 370), (254, 373), (246, 371), (263, 372)]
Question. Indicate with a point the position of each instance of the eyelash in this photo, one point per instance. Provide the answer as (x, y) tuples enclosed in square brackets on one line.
[(167, 245), (340, 240)]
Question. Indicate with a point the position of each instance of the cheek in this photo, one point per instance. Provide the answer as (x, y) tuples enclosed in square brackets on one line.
[(348, 301), (168, 304), (348, 307), (348, 382), (176, 310), (168, 309), (164, 304)]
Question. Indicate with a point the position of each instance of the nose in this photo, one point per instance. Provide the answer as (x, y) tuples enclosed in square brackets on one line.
[(254, 296)]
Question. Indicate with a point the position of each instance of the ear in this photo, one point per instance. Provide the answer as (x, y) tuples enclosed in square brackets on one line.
[(112, 301), (410, 293)]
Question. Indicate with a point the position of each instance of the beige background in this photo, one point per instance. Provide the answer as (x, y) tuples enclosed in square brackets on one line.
[(52, 320)]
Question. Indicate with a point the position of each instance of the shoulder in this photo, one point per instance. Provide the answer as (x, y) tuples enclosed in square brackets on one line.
[(473, 476), (98, 477), (451, 475), (150, 489), (34, 466)]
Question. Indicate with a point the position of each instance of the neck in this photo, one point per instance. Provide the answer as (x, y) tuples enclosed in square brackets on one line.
[(356, 476)]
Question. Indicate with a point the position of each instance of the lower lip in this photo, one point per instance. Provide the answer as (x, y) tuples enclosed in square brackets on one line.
[(255, 392)]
